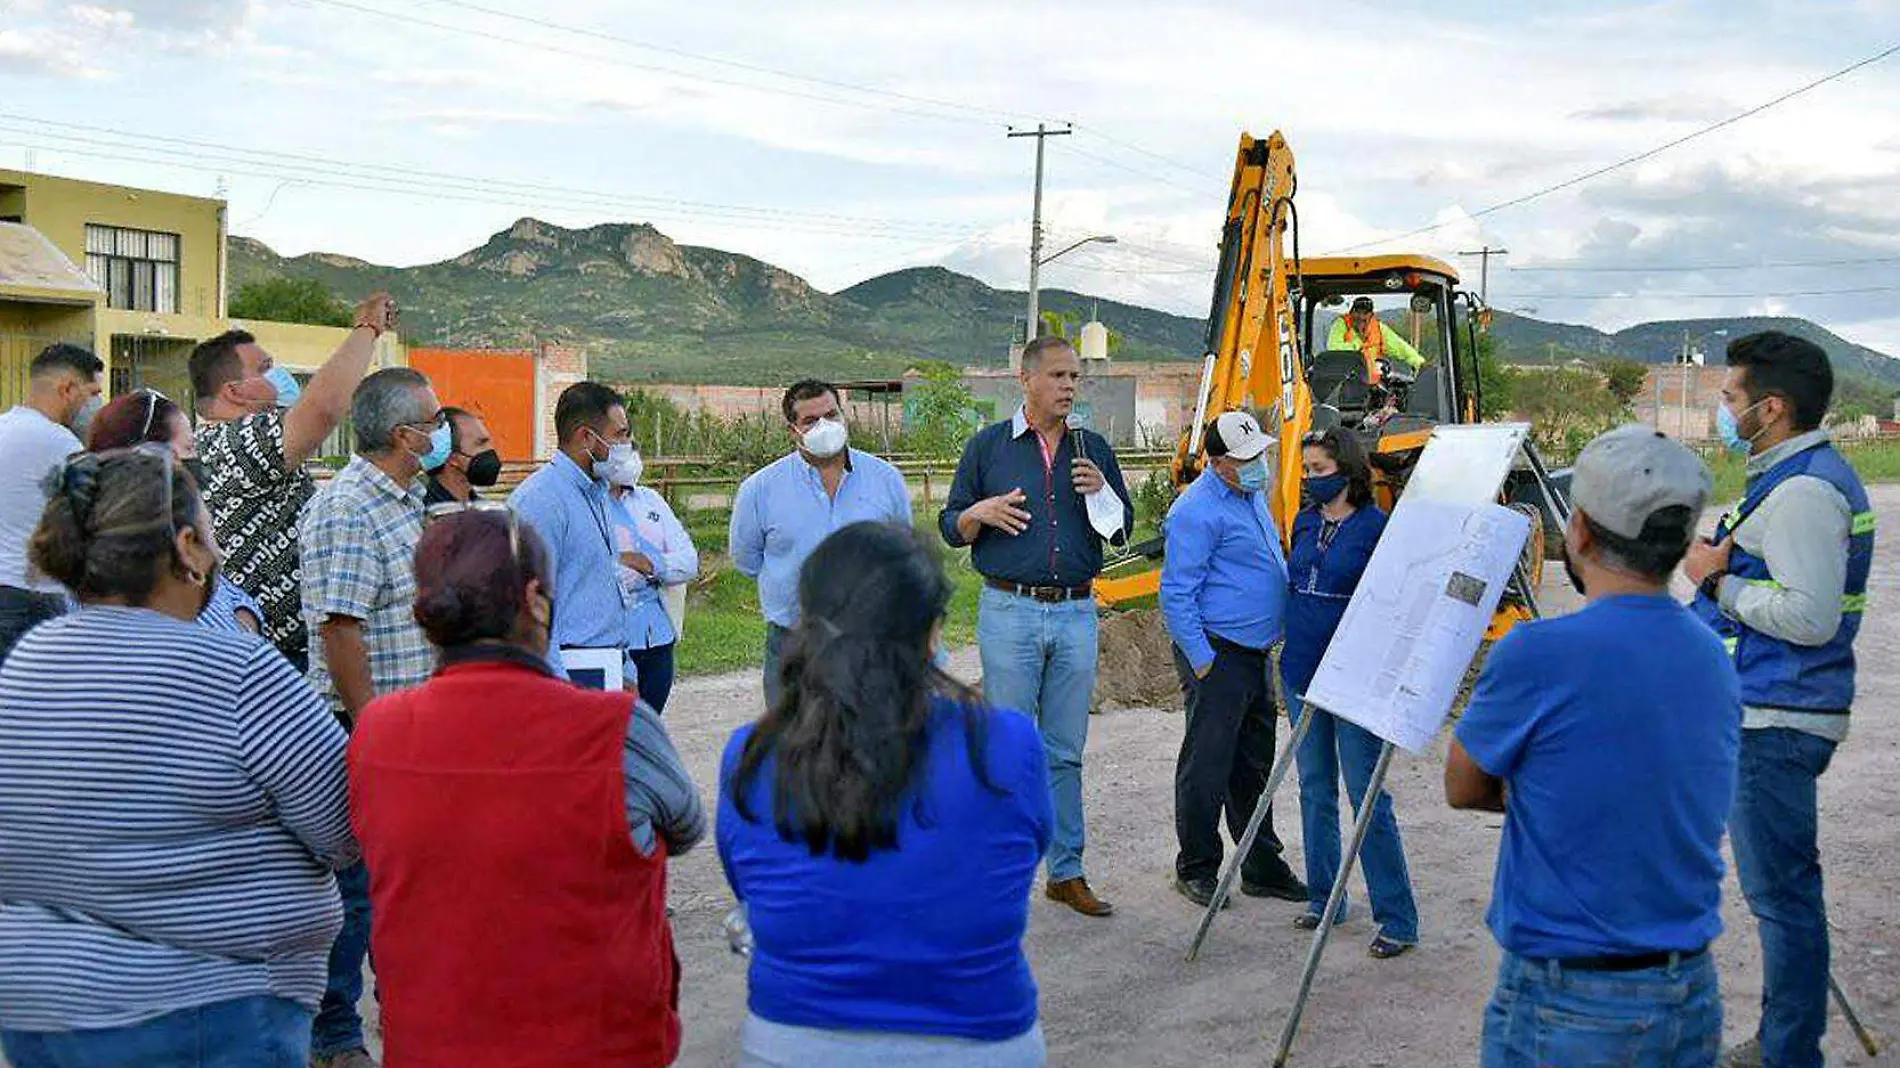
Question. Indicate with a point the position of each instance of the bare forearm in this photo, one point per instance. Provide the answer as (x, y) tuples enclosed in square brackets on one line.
[(326, 400), (347, 656)]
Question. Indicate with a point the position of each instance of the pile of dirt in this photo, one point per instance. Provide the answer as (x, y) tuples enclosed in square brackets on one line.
[(1136, 669)]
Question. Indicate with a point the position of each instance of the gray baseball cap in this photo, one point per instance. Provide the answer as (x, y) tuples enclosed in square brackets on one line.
[(1627, 475)]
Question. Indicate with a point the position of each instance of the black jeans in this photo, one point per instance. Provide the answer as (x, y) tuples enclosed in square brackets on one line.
[(21, 611), (655, 674), (1226, 754)]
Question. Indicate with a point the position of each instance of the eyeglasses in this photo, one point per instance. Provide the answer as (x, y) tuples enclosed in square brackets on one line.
[(151, 410), (437, 512)]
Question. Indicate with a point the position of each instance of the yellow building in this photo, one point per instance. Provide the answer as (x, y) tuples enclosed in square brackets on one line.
[(136, 275)]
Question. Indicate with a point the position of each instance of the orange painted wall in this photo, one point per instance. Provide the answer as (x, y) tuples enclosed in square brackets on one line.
[(497, 385)]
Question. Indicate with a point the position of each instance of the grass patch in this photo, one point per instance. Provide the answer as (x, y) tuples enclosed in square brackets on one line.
[(724, 630), (1875, 461)]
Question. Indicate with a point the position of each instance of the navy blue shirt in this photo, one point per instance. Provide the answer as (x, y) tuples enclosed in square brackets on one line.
[(1616, 731), (1060, 548), (923, 939), (1323, 570)]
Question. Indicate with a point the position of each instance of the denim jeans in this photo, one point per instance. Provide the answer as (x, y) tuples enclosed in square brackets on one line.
[(21, 611), (1544, 1014), (775, 636), (1226, 752), (1331, 746), (339, 1027), (256, 1032), (1772, 833), (653, 674), (1040, 660)]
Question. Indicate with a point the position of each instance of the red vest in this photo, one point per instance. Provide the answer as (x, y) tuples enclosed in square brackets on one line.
[(513, 922)]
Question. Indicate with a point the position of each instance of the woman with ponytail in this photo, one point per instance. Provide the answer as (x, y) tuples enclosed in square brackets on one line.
[(174, 800), (881, 827)]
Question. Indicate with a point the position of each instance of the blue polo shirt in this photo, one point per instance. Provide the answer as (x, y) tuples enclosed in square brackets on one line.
[(1617, 732), (1224, 574), (782, 512)]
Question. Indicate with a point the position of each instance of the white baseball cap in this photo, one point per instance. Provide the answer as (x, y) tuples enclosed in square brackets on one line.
[(1239, 435)]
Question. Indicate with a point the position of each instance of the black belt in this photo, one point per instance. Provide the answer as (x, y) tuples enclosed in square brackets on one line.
[(1045, 594), (1634, 963)]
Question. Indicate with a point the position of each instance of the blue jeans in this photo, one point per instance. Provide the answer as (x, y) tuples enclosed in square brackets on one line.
[(1040, 660), (339, 1027), (1544, 1014), (1772, 833), (256, 1032), (1331, 746)]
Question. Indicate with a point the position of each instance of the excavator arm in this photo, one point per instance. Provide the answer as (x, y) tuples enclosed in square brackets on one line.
[(1253, 348)]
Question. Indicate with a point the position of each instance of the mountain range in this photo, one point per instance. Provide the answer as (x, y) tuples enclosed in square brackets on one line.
[(650, 309)]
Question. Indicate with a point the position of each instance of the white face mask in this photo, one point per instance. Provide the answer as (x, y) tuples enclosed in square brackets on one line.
[(825, 439), (618, 454), (627, 471)]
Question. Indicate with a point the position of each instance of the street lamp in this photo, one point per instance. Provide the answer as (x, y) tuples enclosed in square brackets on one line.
[(1031, 328), (1690, 349)]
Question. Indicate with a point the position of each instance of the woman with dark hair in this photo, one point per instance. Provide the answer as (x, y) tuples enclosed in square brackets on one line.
[(516, 829), (1333, 538), (881, 828), (174, 800), (148, 416)]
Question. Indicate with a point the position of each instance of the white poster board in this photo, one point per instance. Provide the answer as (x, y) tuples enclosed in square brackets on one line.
[(1466, 464), (1415, 622)]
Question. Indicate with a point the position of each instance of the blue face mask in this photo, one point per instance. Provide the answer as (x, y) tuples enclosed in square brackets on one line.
[(439, 448), (1729, 428), (286, 384), (1319, 489), (1252, 475)]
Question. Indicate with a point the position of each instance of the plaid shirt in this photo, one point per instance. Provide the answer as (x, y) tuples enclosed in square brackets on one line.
[(359, 547)]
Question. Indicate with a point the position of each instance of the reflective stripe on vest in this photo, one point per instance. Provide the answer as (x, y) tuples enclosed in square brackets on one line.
[(1779, 674)]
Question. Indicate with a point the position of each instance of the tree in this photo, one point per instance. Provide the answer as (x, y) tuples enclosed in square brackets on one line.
[(1496, 381), (939, 411), (290, 300), (1624, 379)]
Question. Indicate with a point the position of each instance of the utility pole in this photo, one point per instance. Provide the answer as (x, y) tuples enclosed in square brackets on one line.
[(1484, 269), (1033, 327)]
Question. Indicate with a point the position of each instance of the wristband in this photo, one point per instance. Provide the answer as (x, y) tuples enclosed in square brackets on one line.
[(371, 327)]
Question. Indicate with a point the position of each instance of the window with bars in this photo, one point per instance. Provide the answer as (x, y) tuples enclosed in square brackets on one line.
[(138, 269)]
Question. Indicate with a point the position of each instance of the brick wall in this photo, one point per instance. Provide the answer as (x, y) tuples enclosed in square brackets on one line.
[(556, 368)]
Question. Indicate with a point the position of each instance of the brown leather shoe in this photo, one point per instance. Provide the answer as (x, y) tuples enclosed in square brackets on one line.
[(1076, 894)]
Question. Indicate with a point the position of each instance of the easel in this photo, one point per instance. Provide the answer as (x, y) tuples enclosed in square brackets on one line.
[(1523, 588)]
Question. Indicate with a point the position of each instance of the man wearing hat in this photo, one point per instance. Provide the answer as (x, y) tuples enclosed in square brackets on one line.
[(1610, 739), (1361, 329), (1223, 595)]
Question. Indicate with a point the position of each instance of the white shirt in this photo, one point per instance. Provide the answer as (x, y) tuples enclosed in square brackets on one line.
[(33, 446)]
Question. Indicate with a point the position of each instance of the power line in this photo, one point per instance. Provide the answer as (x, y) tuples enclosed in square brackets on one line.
[(303, 166), (1132, 147), (1138, 172), (676, 72), (1852, 291), (734, 64), (1578, 268), (1641, 156)]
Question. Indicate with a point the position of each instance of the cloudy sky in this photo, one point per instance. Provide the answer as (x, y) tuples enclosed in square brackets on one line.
[(843, 138)]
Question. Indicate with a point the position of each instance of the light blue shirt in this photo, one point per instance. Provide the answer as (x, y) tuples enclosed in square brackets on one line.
[(644, 523), (782, 512), (1224, 574), (572, 514)]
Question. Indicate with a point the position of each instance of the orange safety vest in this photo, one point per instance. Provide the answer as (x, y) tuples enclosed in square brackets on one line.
[(1372, 346)]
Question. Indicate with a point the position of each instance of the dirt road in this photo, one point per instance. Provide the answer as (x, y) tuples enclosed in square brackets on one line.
[(1116, 991)]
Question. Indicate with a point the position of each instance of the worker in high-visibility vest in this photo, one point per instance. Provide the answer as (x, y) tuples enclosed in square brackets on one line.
[(1360, 329)]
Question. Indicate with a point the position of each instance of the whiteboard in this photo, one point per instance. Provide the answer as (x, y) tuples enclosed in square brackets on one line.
[(1466, 464), (1414, 623)]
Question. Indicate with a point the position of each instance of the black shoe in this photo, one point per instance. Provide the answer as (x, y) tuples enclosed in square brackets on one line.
[(1199, 891), (1282, 885)]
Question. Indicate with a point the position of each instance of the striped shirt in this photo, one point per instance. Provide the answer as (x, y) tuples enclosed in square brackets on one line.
[(172, 803), (227, 600), (359, 552)]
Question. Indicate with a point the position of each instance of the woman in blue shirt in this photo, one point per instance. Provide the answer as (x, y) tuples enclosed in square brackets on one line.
[(881, 828), (1333, 538)]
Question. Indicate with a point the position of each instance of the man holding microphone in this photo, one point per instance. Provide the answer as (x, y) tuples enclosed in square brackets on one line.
[(1034, 501)]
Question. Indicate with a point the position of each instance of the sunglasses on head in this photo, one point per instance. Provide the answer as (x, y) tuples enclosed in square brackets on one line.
[(437, 512)]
